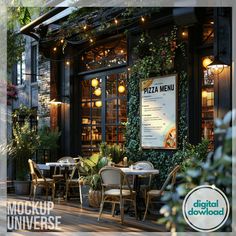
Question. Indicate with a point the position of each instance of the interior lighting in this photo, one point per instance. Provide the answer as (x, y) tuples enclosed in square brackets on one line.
[(98, 92), (98, 103), (121, 89), (94, 82), (206, 61), (204, 94), (217, 66)]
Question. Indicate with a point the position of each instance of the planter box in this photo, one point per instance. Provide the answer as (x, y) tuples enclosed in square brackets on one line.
[(22, 187)]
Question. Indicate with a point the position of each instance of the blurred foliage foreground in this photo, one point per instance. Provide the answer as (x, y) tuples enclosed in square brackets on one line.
[(215, 170)]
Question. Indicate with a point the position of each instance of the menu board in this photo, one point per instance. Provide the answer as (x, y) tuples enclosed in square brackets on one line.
[(158, 112)]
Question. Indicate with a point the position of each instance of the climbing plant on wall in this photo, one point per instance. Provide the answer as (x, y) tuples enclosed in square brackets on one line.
[(156, 58)]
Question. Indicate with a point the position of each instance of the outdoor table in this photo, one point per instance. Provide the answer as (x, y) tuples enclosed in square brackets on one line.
[(137, 173), (67, 165)]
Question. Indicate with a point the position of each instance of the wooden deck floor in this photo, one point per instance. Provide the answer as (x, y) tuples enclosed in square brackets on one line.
[(77, 219)]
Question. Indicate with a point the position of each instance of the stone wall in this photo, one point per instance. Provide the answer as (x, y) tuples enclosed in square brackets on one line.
[(43, 92)]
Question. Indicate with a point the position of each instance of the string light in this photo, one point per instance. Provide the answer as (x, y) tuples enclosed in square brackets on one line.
[(67, 62), (54, 49), (142, 19), (62, 40), (116, 21), (91, 40), (85, 27)]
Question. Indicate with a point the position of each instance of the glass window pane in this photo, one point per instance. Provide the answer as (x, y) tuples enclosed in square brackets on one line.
[(85, 84), (111, 111), (96, 112), (121, 134), (122, 111), (111, 134), (111, 90)]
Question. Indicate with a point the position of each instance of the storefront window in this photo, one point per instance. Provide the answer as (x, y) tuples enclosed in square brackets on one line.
[(208, 102), (103, 111)]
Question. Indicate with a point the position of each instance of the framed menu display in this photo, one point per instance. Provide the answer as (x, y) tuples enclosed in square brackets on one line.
[(159, 112)]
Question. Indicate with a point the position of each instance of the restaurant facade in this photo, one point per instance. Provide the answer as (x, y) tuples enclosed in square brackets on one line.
[(138, 77)]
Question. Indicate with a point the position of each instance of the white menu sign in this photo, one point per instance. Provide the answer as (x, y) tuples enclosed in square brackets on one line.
[(158, 112)]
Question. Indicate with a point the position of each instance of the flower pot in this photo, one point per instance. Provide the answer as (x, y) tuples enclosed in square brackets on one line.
[(22, 187), (95, 198)]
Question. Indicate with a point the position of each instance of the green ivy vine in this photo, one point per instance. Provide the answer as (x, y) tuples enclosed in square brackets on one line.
[(156, 58)]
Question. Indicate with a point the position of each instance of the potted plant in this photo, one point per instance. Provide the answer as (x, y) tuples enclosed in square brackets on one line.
[(48, 140), (22, 147), (92, 166)]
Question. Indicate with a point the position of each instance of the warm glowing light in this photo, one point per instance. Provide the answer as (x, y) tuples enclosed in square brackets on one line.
[(116, 21), (121, 88), (206, 61), (85, 27), (67, 63), (217, 66), (62, 40), (122, 51), (54, 49), (204, 94), (91, 40), (98, 92), (142, 19), (212, 22), (98, 103), (94, 83), (54, 102)]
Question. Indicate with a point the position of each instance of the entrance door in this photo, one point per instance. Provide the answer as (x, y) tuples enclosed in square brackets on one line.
[(103, 109)]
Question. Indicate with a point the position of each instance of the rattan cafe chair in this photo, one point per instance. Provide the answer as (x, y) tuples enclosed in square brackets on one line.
[(113, 180), (38, 180), (157, 193)]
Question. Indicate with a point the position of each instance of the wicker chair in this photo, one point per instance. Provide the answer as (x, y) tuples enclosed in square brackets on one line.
[(157, 193), (57, 176), (73, 181), (113, 180), (38, 180)]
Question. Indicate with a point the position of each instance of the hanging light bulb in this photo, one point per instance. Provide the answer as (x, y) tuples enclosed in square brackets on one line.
[(121, 89), (98, 92), (216, 66), (98, 103), (94, 82)]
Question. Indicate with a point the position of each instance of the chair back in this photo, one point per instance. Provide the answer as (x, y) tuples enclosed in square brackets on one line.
[(66, 159), (111, 176), (145, 165), (171, 177), (35, 171)]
